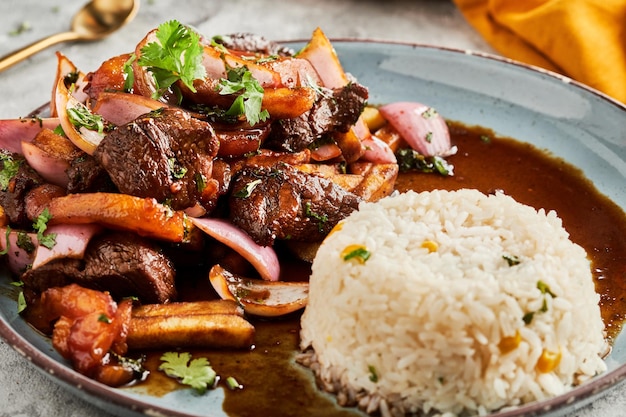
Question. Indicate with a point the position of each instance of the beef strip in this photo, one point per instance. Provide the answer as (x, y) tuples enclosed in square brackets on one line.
[(166, 154), (122, 263), (86, 175), (17, 187), (334, 111), (281, 202)]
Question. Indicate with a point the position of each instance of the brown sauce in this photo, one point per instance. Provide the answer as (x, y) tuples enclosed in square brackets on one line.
[(275, 385)]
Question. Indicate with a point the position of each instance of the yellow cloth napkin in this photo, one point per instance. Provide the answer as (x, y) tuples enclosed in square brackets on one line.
[(582, 39)]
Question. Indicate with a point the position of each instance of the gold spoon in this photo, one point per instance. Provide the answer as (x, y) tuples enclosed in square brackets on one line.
[(96, 20)]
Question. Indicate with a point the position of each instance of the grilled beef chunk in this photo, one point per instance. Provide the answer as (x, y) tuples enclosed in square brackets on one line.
[(20, 179), (334, 111), (167, 155), (249, 42), (281, 202), (86, 175), (122, 263)]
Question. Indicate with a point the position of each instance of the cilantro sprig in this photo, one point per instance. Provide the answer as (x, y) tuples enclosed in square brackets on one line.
[(197, 373), (40, 225), (250, 94), (176, 56)]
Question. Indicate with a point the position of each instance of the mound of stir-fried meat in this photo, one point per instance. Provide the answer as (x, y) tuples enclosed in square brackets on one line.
[(236, 143)]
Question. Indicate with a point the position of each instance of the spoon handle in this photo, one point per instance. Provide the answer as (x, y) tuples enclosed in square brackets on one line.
[(37, 46)]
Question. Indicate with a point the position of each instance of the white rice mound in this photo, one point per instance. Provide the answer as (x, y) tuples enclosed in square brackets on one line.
[(415, 331)]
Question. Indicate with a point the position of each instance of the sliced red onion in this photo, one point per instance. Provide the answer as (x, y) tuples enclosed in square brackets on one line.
[(71, 242), (53, 170), (378, 151), (84, 139), (263, 258), (121, 108), (15, 131), (421, 126), (18, 259)]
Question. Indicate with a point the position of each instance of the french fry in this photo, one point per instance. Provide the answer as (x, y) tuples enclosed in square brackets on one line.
[(378, 180), (205, 324), (188, 309)]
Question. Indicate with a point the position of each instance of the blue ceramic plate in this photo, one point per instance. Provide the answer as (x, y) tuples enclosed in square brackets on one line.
[(570, 120)]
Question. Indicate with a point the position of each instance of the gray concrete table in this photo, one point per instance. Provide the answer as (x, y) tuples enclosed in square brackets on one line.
[(25, 392)]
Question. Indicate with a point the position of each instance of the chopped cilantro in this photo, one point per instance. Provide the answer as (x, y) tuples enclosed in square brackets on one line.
[(321, 218), (59, 130), (373, 373), (81, 116), (24, 242), (176, 170), (544, 288), (200, 182), (358, 252), (21, 302), (176, 56), (512, 260), (429, 112), (103, 318), (233, 384), (10, 167), (129, 74), (40, 225), (250, 95), (411, 160), (7, 233), (196, 373)]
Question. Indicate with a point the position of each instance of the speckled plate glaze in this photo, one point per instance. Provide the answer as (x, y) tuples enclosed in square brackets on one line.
[(570, 120)]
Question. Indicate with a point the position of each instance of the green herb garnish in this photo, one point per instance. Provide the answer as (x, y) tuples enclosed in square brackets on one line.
[(545, 290), (250, 95), (81, 116), (233, 384), (359, 253), (321, 218), (10, 167), (512, 260), (176, 56), (24, 242), (40, 225), (429, 113), (196, 373), (21, 302), (59, 130), (7, 242), (129, 74), (177, 171), (373, 373), (411, 160), (200, 182), (103, 318)]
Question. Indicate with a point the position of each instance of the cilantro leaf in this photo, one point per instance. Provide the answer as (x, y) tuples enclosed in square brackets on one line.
[(10, 167), (81, 116), (40, 225), (176, 56), (129, 74), (196, 373), (248, 102)]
